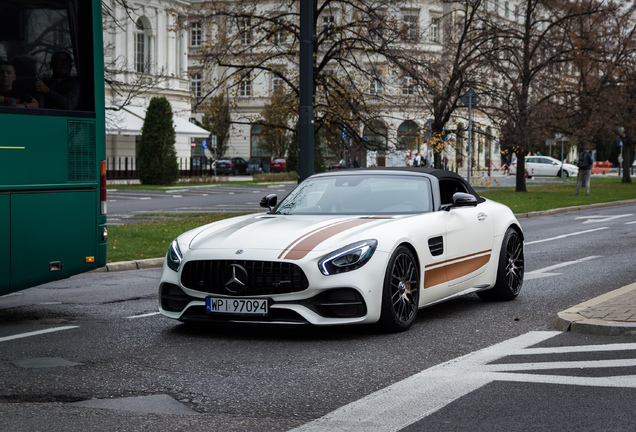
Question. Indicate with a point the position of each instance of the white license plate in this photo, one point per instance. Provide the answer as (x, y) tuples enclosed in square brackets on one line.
[(237, 306)]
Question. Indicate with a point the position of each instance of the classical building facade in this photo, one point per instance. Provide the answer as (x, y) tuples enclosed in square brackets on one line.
[(145, 56)]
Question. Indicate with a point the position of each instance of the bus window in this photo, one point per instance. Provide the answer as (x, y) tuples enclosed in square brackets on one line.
[(42, 42)]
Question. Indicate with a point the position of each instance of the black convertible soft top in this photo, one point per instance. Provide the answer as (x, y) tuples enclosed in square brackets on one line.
[(438, 173)]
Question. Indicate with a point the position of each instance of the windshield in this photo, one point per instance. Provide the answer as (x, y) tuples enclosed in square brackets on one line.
[(359, 195)]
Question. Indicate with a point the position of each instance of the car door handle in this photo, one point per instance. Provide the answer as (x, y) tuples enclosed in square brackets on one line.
[(482, 216)]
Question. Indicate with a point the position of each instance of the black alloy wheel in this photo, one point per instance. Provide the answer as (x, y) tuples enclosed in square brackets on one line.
[(401, 292), (510, 270)]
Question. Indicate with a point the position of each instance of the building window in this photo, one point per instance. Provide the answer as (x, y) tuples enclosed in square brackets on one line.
[(407, 136), (495, 8), (375, 86), (142, 47), (328, 26), (376, 30), (410, 23), (517, 13), (245, 85), (506, 9), (407, 86), (195, 34), (435, 29), (245, 31), (277, 83), (256, 138), (196, 85), (277, 34)]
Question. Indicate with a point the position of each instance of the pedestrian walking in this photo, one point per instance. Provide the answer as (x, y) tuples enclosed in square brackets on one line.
[(584, 162), (417, 161)]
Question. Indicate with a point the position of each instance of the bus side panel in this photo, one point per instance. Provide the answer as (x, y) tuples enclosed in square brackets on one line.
[(54, 236), (5, 233)]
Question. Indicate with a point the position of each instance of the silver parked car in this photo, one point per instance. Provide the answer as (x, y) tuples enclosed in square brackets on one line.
[(546, 166)]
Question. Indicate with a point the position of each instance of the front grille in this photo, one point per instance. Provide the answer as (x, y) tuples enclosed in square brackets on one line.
[(263, 277)]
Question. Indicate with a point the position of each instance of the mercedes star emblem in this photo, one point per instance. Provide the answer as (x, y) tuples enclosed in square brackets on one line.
[(235, 277)]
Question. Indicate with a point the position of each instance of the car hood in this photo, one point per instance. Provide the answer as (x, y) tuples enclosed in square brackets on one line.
[(294, 236)]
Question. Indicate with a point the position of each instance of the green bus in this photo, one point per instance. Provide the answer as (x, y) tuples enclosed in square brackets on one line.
[(52, 150)]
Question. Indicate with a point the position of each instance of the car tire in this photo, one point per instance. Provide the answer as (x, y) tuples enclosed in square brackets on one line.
[(565, 174), (401, 292), (509, 271)]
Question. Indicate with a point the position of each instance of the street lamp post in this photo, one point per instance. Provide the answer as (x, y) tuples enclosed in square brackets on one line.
[(470, 99), (306, 109)]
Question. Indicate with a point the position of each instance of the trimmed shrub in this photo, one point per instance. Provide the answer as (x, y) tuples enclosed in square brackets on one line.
[(156, 155)]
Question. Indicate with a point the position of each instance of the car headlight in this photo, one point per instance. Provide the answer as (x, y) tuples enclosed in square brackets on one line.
[(174, 256), (348, 258)]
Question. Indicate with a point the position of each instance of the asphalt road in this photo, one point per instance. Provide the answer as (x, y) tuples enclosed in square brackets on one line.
[(103, 359), (126, 206)]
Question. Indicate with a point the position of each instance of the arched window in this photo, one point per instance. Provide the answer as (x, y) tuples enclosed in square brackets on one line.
[(143, 46), (375, 135), (407, 136)]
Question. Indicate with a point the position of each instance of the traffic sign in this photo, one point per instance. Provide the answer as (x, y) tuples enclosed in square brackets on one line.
[(470, 98)]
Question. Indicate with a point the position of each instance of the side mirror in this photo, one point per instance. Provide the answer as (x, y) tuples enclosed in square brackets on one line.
[(462, 199), (269, 201)]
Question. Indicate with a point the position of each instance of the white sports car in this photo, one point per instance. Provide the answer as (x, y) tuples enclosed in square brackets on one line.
[(347, 247)]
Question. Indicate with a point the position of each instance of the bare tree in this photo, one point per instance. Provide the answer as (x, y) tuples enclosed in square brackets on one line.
[(527, 57), (368, 61), (218, 121), (276, 114)]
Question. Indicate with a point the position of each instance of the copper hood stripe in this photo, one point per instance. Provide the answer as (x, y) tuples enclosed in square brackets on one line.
[(301, 247), (305, 236)]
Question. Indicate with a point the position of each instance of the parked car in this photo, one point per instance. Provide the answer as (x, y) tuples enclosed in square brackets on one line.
[(257, 166), (339, 165), (278, 165), (231, 166), (347, 247), (546, 166)]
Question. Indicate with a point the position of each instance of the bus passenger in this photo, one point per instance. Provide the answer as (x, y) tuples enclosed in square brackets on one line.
[(10, 96), (62, 90)]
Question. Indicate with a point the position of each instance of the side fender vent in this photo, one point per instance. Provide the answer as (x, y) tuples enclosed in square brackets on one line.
[(436, 245)]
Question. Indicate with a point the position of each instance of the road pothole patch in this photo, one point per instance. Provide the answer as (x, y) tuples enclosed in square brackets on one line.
[(44, 362), (156, 404)]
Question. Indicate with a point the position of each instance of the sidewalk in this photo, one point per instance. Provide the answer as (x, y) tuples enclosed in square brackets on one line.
[(612, 314)]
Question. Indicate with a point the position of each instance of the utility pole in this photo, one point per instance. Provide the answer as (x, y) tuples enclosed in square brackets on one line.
[(306, 108)]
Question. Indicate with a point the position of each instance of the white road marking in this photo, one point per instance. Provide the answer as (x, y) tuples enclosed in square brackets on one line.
[(629, 223), (565, 235), (598, 219), (143, 315), (406, 402), (545, 272), (36, 333)]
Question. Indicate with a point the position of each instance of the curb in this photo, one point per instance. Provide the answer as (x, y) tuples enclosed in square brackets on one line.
[(131, 265), (572, 320), (574, 208)]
